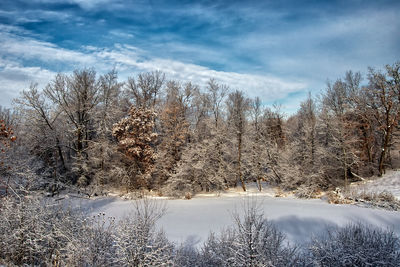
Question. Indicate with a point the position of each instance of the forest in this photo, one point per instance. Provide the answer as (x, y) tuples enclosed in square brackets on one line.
[(176, 139)]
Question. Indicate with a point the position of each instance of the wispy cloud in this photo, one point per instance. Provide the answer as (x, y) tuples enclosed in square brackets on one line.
[(268, 87), (120, 34), (26, 48), (317, 51), (128, 60), (278, 50), (15, 78), (33, 16)]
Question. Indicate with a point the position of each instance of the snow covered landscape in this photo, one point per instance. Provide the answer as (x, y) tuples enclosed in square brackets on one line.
[(199, 133), (389, 182), (192, 220)]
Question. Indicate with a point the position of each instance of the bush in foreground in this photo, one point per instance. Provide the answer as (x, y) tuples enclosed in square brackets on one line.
[(37, 233), (356, 245)]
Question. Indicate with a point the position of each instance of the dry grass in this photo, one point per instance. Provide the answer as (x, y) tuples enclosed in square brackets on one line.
[(383, 199), (188, 195), (308, 192)]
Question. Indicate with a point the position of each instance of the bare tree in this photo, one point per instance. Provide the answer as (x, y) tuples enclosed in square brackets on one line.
[(274, 140), (107, 112), (201, 114), (77, 96), (257, 146), (304, 142), (238, 105), (40, 114), (339, 110), (383, 97), (145, 90), (217, 94), (174, 129)]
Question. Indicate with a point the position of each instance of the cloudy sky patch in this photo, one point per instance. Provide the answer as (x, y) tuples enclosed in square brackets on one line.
[(278, 50)]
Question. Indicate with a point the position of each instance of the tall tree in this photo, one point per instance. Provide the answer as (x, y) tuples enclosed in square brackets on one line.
[(339, 111), (77, 96), (136, 137), (174, 128), (6, 138), (107, 112), (238, 105), (257, 160), (382, 93), (45, 136), (274, 142), (305, 135), (145, 89), (217, 94)]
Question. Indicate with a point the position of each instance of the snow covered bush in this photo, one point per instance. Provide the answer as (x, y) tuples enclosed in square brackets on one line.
[(383, 199), (218, 249), (356, 245), (252, 241), (138, 243), (33, 232), (21, 232), (258, 242), (91, 241), (186, 255), (310, 191)]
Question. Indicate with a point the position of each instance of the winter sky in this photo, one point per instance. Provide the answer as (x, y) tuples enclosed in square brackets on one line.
[(278, 50)]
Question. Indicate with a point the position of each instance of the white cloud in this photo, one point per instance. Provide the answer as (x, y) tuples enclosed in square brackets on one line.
[(24, 48), (86, 4), (15, 78), (317, 51), (129, 60), (37, 15), (121, 34), (268, 87)]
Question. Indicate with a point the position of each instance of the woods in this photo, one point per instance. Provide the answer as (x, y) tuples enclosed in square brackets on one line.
[(151, 133)]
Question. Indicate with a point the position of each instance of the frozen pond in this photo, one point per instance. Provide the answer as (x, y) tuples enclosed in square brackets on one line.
[(192, 220)]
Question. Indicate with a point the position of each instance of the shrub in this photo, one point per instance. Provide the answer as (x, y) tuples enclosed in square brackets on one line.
[(304, 191), (137, 240), (356, 245), (252, 241), (34, 232)]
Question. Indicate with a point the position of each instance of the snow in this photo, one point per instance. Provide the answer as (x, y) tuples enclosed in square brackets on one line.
[(389, 182), (192, 220)]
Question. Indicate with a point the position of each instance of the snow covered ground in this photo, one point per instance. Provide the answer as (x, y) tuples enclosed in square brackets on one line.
[(389, 182), (192, 220)]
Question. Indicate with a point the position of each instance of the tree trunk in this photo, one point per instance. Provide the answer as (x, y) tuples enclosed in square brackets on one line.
[(60, 155), (346, 182), (383, 152), (239, 161), (259, 184)]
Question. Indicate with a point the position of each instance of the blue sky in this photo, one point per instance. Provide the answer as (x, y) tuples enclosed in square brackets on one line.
[(278, 50)]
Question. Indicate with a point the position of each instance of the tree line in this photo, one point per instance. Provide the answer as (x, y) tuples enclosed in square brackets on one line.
[(173, 137)]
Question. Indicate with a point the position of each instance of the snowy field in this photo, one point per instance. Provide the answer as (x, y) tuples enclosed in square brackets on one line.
[(192, 220), (389, 182)]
